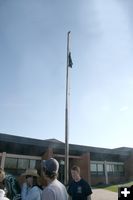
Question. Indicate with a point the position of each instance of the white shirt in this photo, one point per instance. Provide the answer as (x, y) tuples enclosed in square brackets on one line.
[(55, 191), (2, 195)]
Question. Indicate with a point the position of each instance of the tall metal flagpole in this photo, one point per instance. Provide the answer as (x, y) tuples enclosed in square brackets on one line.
[(67, 115)]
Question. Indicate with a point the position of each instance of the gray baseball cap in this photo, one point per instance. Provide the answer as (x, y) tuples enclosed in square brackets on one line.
[(51, 165)]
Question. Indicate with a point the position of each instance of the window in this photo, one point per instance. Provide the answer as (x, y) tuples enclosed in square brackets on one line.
[(19, 163), (93, 167), (23, 163), (32, 164), (100, 167), (110, 168), (120, 168), (115, 169), (11, 163), (97, 168)]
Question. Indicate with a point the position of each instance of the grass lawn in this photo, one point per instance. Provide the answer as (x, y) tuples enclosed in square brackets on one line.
[(114, 188)]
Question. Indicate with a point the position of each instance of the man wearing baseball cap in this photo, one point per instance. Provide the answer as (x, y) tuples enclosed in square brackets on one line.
[(55, 189)]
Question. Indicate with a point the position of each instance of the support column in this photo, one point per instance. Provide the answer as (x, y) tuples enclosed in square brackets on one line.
[(106, 173), (3, 160)]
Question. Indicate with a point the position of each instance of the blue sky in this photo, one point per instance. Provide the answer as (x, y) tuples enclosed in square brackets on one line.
[(33, 36)]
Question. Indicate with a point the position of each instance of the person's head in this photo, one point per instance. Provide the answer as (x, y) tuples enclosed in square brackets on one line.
[(50, 168), (75, 172), (31, 176)]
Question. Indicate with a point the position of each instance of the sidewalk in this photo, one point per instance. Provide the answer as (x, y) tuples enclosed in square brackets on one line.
[(101, 194)]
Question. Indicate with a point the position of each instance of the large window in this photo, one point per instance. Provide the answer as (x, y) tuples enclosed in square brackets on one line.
[(97, 169), (16, 166), (113, 168), (19, 163), (11, 163), (23, 163), (26, 163)]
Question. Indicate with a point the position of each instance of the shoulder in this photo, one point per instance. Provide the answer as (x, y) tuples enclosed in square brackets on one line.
[(86, 186), (35, 193), (48, 193), (54, 191), (56, 184), (60, 184), (71, 183), (71, 187), (10, 177), (84, 182), (36, 188)]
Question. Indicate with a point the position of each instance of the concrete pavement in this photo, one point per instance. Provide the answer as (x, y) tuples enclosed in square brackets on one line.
[(101, 194)]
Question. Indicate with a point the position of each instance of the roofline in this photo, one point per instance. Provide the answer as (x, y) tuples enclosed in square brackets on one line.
[(60, 145)]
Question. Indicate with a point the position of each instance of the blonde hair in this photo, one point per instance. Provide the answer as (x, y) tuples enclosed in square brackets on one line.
[(2, 174)]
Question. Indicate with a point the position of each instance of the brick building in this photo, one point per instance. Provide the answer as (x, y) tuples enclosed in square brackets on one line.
[(98, 165)]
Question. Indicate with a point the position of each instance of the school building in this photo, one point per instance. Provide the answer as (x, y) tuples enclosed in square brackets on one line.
[(98, 165)]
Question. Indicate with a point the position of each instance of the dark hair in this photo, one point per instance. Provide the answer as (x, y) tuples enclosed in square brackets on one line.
[(51, 175), (35, 182), (76, 168)]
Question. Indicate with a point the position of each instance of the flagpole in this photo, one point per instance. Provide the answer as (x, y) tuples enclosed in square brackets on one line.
[(66, 177)]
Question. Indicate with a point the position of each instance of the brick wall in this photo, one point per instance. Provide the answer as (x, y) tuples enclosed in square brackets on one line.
[(85, 167), (129, 167)]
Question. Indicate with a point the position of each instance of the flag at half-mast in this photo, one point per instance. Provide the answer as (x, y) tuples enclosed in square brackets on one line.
[(70, 63)]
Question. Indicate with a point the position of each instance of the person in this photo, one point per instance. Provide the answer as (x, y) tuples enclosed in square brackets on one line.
[(2, 187), (54, 190), (10, 186), (2, 177), (78, 189), (30, 189)]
